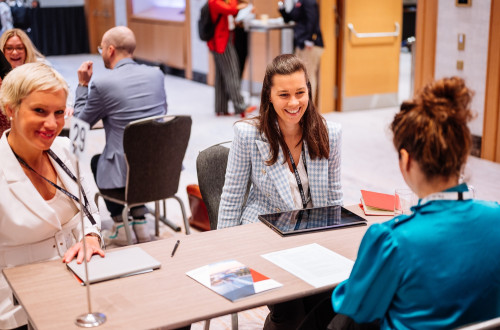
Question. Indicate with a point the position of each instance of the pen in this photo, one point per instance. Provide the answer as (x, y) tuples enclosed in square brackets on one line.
[(175, 247)]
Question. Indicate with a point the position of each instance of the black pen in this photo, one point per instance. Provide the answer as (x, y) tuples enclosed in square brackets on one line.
[(175, 247)]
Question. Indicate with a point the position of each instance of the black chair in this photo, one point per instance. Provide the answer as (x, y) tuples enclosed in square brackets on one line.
[(211, 166), (154, 149)]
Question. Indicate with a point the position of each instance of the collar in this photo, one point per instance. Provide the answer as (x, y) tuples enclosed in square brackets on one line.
[(124, 61)]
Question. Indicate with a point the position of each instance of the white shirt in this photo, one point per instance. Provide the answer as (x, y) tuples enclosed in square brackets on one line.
[(304, 180)]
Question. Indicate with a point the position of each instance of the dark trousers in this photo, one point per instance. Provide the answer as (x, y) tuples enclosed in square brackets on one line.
[(114, 208), (313, 312)]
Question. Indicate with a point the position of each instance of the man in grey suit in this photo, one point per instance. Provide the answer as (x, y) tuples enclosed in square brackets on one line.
[(127, 92)]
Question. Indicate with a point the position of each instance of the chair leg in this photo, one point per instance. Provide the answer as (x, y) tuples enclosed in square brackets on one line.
[(157, 218), (186, 223), (164, 219), (207, 324), (126, 224), (234, 321)]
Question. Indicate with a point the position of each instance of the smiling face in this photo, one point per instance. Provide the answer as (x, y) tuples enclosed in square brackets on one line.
[(289, 96), (15, 51), (39, 119)]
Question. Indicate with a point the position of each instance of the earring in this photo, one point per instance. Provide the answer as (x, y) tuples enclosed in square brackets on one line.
[(10, 118)]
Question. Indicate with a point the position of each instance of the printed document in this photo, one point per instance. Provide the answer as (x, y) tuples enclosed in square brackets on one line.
[(313, 263)]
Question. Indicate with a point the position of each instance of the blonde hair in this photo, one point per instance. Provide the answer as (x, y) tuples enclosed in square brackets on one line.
[(32, 54), (26, 79)]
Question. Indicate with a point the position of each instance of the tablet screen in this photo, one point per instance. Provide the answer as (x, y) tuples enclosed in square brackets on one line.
[(305, 220)]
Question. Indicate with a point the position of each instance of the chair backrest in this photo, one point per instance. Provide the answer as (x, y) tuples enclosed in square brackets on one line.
[(211, 166), (154, 149)]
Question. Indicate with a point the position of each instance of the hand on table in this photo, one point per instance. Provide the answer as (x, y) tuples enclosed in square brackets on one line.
[(93, 247)]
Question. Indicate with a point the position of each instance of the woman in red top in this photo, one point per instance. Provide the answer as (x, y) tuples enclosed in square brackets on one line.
[(227, 75)]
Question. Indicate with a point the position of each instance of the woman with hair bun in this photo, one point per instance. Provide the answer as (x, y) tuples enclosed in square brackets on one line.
[(438, 268)]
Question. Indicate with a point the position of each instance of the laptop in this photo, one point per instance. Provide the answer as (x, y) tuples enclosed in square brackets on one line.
[(115, 264), (313, 219)]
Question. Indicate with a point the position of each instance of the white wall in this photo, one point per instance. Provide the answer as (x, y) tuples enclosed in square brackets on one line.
[(199, 49), (474, 21), (121, 12)]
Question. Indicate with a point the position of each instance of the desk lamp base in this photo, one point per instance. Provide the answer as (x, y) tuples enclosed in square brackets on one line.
[(90, 320)]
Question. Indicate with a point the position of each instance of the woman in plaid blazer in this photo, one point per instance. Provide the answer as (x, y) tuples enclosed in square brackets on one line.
[(288, 124)]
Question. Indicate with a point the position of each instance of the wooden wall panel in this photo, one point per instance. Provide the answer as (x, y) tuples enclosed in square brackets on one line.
[(491, 130), (425, 42)]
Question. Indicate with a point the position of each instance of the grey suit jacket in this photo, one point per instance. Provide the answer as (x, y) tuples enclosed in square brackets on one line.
[(129, 92)]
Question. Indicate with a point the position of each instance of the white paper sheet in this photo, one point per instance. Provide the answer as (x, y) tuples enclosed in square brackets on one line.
[(313, 263)]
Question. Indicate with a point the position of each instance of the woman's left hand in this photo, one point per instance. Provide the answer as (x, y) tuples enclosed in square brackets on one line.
[(93, 247)]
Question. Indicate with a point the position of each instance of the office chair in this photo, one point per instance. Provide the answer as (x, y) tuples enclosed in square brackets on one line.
[(154, 149), (211, 166)]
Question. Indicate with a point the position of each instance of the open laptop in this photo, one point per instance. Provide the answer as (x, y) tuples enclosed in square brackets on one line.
[(313, 219), (115, 264)]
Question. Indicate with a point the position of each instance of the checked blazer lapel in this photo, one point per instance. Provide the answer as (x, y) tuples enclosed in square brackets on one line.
[(317, 173), (277, 173)]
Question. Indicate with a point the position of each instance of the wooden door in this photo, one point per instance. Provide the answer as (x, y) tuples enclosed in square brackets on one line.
[(369, 48), (100, 18)]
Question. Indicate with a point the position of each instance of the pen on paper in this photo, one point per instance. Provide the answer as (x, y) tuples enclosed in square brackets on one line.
[(175, 247)]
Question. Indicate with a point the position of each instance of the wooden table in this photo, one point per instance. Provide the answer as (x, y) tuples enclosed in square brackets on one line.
[(167, 297)]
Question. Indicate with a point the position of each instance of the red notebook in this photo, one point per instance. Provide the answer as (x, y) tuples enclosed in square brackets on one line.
[(375, 203)]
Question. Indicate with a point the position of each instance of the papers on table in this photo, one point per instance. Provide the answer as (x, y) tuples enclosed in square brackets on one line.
[(313, 264)]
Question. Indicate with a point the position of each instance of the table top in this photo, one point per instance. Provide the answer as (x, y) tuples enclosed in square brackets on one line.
[(168, 297)]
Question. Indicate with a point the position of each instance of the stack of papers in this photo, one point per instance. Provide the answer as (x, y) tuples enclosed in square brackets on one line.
[(232, 280), (375, 203)]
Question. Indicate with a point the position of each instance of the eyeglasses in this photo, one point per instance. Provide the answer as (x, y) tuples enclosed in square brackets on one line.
[(99, 50), (10, 49)]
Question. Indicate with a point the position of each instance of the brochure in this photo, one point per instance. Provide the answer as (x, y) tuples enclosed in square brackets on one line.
[(232, 280)]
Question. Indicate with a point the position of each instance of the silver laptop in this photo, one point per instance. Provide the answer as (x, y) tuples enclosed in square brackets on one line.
[(115, 264)]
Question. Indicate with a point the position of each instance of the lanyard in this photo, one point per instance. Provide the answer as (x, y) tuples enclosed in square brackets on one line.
[(64, 191), (297, 176), (449, 196)]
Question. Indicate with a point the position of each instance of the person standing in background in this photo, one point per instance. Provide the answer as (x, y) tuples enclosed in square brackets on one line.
[(5, 17), (227, 75), (307, 38)]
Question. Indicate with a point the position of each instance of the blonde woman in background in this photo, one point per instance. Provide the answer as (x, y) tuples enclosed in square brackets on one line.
[(18, 50)]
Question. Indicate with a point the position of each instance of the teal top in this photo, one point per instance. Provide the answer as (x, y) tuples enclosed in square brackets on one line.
[(436, 268)]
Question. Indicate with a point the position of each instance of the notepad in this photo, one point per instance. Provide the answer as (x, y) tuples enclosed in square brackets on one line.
[(115, 264), (375, 203)]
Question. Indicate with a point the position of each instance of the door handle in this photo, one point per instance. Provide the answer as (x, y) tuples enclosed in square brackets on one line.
[(373, 34)]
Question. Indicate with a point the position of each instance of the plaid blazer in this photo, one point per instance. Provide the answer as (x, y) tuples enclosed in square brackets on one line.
[(270, 191)]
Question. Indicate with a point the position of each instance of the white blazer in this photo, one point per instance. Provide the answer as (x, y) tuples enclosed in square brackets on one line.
[(29, 227), (270, 191)]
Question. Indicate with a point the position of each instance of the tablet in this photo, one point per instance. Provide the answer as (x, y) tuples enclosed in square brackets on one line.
[(115, 264), (313, 219)]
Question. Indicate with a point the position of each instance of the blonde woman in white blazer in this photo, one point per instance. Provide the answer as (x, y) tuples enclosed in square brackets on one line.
[(38, 220), (287, 120)]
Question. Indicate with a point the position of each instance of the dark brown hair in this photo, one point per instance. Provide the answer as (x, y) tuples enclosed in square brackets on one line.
[(432, 127), (314, 131)]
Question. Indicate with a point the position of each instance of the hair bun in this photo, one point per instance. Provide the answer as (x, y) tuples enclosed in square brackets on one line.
[(447, 99)]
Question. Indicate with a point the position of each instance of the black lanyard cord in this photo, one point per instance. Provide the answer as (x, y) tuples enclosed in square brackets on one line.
[(64, 191), (297, 176)]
